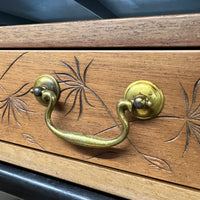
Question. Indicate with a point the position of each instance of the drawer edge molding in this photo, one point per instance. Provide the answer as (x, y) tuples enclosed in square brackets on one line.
[(156, 31)]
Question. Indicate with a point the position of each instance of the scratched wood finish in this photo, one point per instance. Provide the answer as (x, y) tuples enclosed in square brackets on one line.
[(145, 151), (123, 184), (159, 31)]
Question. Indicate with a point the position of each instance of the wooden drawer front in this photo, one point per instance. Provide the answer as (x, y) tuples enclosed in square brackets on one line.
[(165, 148)]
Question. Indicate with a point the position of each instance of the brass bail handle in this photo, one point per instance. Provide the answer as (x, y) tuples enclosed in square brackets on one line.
[(142, 98)]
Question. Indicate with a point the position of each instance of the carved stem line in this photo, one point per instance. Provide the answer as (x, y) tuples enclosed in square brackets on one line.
[(103, 104), (177, 136), (144, 156), (105, 130), (3, 89), (12, 64), (169, 117)]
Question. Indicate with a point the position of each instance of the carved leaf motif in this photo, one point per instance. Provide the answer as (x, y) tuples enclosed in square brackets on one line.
[(75, 83), (186, 99), (29, 138), (32, 140), (196, 86), (157, 162)]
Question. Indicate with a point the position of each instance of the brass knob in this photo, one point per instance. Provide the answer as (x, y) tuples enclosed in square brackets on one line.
[(146, 97), (142, 98)]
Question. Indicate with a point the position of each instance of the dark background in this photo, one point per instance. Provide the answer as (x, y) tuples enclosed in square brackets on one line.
[(41, 11)]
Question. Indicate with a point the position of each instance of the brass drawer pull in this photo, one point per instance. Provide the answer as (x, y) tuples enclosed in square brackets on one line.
[(142, 98)]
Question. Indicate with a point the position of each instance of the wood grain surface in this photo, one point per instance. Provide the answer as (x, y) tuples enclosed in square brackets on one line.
[(123, 184), (159, 31), (145, 151)]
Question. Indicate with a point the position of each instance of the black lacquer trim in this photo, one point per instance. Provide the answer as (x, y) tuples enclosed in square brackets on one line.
[(30, 185)]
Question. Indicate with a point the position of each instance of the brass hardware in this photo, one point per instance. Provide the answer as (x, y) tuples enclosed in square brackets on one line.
[(142, 98), (147, 99), (45, 82)]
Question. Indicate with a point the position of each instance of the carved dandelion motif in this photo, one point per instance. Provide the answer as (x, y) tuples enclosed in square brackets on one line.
[(192, 128), (14, 105), (75, 83)]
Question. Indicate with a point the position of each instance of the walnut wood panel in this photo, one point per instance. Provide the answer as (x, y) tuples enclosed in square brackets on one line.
[(123, 184), (159, 31), (166, 148)]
